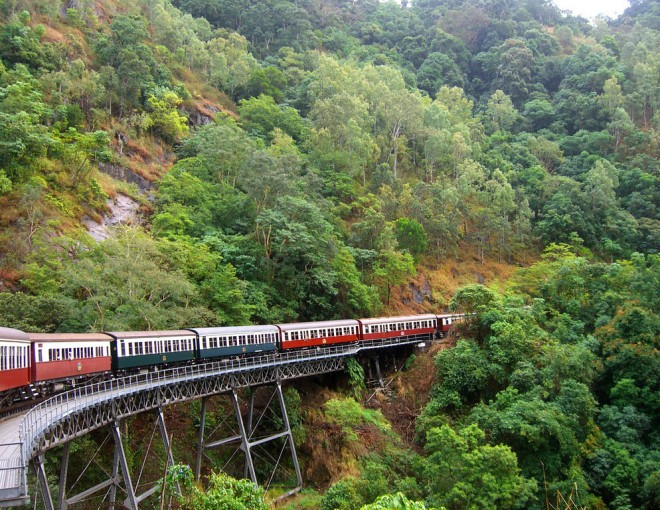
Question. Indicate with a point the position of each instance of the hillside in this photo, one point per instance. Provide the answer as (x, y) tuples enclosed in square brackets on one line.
[(173, 163)]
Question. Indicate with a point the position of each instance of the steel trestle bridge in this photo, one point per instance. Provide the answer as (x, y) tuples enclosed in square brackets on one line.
[(25, 439)]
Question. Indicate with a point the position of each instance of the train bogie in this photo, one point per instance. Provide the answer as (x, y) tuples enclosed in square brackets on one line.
[(139, 349), (317, 334), (14, 359), (235, 341)]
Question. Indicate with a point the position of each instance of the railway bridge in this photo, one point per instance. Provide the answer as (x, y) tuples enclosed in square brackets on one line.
[(25, 439)]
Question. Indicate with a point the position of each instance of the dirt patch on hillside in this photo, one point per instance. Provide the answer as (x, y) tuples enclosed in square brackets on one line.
[(409, 394)]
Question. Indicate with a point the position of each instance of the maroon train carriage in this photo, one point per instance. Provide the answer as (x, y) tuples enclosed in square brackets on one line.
[(69, 356), (423, 327), (445, 322), (313, 334), (14, 359)]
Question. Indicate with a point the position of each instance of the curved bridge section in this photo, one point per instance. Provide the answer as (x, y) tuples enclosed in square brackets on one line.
[(77, 412)]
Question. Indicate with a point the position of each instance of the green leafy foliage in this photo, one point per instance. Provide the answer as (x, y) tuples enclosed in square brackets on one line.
[(223, 491), (396, 501), (463, 472), (349, 415)]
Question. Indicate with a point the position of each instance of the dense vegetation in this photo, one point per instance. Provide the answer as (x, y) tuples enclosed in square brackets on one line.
[(310, 157)]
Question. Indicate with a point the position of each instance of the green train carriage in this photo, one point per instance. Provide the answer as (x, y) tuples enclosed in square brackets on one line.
[(140, 349)]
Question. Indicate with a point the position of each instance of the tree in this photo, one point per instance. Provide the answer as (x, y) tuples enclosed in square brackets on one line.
[(500, 111), (437, 70), (165, 117), (473, 298), (411, 236), (463, 472), (260, 115), (393, 268), (514, 72), (126, 282)]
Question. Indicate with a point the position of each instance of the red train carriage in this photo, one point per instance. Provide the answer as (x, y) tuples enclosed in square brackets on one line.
[(312, 334), (14, 359), (422, 327), (445, 322), (69, 356)]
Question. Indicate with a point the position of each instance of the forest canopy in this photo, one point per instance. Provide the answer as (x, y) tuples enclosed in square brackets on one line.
[(309, 160)]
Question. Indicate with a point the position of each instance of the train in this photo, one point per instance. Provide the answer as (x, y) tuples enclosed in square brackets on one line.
[(36, 365)]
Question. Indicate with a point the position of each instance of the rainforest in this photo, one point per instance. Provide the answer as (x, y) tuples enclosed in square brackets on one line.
[(195, 163)]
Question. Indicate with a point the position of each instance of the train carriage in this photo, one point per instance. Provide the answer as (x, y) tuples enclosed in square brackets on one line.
[(14, 359), (236, 341), (68, 356), (312, 334), (422, 327), (445, 322), (138, 349)]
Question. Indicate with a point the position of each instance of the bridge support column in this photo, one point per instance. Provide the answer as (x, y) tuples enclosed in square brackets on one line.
[(380, 375), (287, 428), (169, 461), (64, 470), (130, 501), (250, 428), (38, 463), (200, 443), (246, 431), (245, 440), (115, 479)]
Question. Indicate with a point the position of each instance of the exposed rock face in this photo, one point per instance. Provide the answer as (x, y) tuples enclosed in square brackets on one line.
[(123, 211), (202, 114), (124, 174)]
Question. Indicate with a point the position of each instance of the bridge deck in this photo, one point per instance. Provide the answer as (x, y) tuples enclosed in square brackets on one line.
[(11, 461)]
